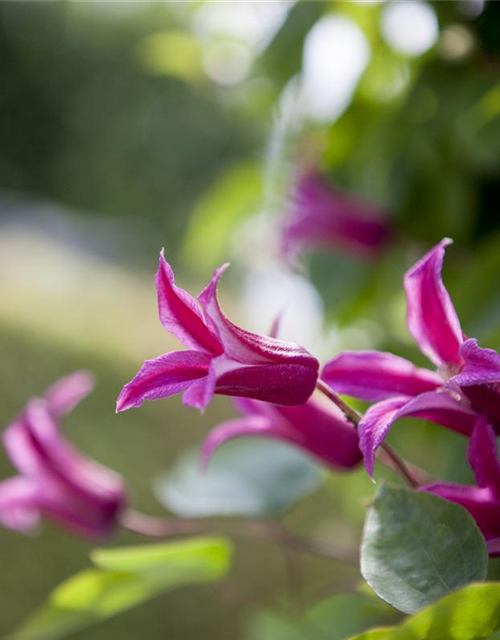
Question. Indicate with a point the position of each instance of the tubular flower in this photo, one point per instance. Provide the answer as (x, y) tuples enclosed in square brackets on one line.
[(220, 357), (54, 479), (320, 216), (467, 377), (481, 501), (317, 428)]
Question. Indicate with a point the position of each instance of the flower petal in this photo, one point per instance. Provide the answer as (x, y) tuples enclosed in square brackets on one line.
[(244, 346), (18, 504), (200, 392), (374, 375), (436, 406), (180, 314), (375, 425), (482, 455), (479, 378), (281, 383), (479, 502), (163, 377), (432, 319), (69, 391), (323, 430), (247, 426)]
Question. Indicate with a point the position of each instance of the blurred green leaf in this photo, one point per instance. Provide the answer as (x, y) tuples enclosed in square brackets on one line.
[(248, 478), (171, 52), (375, 634), (125, 578), (418, 547), (236, 193)]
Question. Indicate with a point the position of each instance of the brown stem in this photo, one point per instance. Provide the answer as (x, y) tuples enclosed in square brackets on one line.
[(268, 531), (389, 457)]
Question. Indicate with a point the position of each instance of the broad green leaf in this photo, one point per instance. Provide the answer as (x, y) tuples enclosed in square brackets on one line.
[(335, 618), (470, 614), (237, 193), (417, 548), (375, 634), (123, 579), (245, 477)]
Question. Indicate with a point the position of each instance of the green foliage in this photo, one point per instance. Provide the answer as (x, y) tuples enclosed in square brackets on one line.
[(236, 194), (245, 477), (123, 579), (470, 614), (418, 547)]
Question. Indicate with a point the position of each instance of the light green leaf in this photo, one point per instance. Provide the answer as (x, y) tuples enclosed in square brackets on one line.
[(375, 634), (123, 579), (236, 194), (470, 614), (245, 477), (418, 547)]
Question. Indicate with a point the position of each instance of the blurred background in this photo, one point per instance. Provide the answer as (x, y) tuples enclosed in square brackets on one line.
[(127, 127)]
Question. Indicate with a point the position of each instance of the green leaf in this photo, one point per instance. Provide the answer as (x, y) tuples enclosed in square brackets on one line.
[(245, 477), (470, 614), (418, 547), (375, 634), (236, 194), (123, 579)]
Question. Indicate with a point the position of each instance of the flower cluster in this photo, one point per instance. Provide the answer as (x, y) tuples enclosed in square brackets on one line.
[(273, 383)]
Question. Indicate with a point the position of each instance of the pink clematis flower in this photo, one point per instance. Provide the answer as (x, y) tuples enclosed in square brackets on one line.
[(466, 376), (482, 501), (220, 357), (318, 428), (55, 480), (322, 217)]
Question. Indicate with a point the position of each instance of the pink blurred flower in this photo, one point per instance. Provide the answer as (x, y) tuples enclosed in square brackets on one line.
[(55, 481), (482, 501), (467, 377), (322, 217), (220, 357), (318, 428)]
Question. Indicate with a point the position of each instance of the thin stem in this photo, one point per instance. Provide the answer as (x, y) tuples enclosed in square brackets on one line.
[(352, 415), (390, 458), (268, 531)]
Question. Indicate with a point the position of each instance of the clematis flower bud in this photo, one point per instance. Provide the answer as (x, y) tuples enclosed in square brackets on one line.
[(319, 216), (220, 357), (56, 481)]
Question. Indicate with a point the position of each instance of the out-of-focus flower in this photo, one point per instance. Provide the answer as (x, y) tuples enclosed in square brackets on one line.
[(467, 379), (482, 501), (55, 481), (321, 217), (221, 357), (318, 428)]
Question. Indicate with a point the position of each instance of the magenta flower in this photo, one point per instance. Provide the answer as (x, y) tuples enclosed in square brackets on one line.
[(56, 481), (221, 357), (401, 389), (481, 501), (318, 428), (322, 217)]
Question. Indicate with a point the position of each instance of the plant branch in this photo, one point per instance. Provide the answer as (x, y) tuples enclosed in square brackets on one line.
[(269, 531), (388, 456)]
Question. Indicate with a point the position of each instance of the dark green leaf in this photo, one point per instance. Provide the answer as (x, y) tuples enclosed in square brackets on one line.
[(417, 547), (250, 478)]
